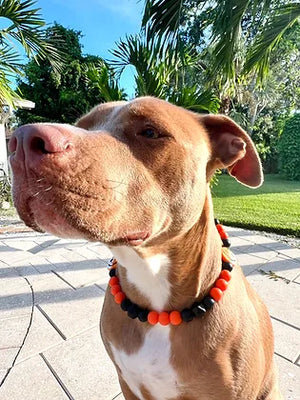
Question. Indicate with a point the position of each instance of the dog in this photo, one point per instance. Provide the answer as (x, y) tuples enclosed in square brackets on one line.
[(135, 176)]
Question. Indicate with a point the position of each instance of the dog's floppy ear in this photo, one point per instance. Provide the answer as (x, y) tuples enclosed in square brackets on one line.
[(233, 149)]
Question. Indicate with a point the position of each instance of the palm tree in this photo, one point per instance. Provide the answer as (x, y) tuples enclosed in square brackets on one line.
[(25, 28), (272, 18), (160, 71)]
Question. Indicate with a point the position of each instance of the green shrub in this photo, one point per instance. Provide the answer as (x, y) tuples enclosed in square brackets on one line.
[(289, 149)]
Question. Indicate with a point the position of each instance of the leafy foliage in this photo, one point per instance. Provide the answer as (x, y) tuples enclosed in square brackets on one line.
[(289, 148), (63, 96), (161, 71), (26, 29)]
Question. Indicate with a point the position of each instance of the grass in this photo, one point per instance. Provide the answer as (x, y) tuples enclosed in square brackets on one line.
[(274, 207)]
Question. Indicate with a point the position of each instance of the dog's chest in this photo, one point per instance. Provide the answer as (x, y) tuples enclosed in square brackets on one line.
[(149, 368)]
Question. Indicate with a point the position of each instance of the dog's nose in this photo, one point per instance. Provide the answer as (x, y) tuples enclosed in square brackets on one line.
[(33, 142)]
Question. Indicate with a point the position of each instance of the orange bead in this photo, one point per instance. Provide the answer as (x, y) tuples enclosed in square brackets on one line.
[(113, 281), (164, 318), (119, 297), (216, 293), (115, 289), (175, 318), (153, 317), (223, 234), (221, 284), (225, 274)]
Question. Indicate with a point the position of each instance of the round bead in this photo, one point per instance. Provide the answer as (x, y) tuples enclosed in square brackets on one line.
[(125, 304), (227, 265), (221, 284), (153, 317), (216, 221), (143, 315), (208, 302), (187, 315), (198, 309), (175, 318), (164, 318), (216, 293), (112, 272), (133, 311), (119, 297), (226, 243), (113, 281), (115, 289), (225, 274)]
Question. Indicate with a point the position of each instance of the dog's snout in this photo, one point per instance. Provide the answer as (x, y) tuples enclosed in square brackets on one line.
[(31, 142)]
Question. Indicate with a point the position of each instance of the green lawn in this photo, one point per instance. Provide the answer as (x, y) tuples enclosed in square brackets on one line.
[(274, 207)]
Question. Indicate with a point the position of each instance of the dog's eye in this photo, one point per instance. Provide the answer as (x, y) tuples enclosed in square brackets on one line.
[(150, 133)]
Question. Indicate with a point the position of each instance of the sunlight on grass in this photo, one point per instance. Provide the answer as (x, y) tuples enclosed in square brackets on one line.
[(274, 207)]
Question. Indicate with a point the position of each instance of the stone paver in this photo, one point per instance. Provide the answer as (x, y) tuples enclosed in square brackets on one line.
[(51, 294)]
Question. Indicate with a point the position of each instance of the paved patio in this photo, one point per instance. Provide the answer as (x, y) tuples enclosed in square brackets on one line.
[(51, 293)]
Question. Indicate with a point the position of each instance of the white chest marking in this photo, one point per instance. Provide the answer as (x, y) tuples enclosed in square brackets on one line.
[(149, 275), (150, 366)]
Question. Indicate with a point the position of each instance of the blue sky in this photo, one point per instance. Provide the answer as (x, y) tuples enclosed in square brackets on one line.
[(102, 22)]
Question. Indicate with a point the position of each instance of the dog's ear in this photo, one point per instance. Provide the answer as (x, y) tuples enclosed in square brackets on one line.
[(233, 149)]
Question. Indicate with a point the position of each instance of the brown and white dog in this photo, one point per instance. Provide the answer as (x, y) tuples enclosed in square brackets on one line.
[(135, 176)]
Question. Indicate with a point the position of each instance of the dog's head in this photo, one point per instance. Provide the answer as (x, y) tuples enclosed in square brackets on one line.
[(127, 172)]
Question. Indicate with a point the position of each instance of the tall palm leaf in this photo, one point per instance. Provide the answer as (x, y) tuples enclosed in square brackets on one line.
[(164, 18), (25, 28), (259, 55)]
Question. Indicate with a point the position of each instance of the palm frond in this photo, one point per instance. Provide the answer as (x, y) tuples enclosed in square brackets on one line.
[(259, 54), (163, 17)]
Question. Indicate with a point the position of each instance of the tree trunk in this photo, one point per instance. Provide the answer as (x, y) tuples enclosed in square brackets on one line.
[(225, 105)]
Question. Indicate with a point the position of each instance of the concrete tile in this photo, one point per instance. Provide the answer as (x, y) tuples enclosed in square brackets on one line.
[(13, 331), (262, 252), (16, 297), (277, 246), (82, 273), (31, 380), (288, 269), (292, 252), (17, 244), (259, 239), (42, 336), (237, 242), (287, 340), (249, 263), (12, 257), (51, 290), (289, 378), (102, 251), (84, 367), (282, 299), (7, 357), (74, 311)]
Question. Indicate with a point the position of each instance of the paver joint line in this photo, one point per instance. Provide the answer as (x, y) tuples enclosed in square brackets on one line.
[(50, 321), (26, 333), (59, 381), (286, 323)]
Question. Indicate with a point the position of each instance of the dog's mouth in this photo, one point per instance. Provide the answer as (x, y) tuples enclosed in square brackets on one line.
[(69, 213)]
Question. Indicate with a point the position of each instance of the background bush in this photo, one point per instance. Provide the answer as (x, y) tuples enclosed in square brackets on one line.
[(289, 149)]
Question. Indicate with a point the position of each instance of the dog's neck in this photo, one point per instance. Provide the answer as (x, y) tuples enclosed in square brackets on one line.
[(176, 274)]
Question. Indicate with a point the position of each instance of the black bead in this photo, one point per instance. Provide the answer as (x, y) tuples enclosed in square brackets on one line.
[(133, 311), (226, 243), (208, 302), (227, 265), (216, 221), (112, 272), (198, 309), (143, 315), (125, 304), (187, 315)]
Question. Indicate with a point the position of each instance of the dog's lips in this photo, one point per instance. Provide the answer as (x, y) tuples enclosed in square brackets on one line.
[(137, 238)]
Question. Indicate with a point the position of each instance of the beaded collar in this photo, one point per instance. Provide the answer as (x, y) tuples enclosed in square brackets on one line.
[(197, 310)]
